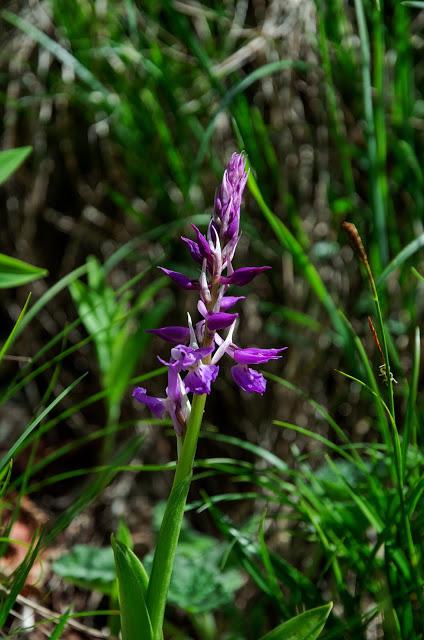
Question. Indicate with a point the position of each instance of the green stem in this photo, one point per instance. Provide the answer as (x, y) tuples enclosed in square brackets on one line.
[(163, 561), (188, 450)]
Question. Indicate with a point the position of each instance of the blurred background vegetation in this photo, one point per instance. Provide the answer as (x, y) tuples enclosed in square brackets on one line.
[(133, 109)]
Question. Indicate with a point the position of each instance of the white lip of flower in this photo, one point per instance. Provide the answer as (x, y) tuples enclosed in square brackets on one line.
[(224, 344), (193, 340), (216, 249), (204, 289)]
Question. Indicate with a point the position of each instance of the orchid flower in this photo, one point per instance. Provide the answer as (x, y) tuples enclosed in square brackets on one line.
[(196, 350)]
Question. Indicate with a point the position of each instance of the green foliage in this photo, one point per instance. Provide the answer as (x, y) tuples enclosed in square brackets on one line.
[(10, 338), (10, 160), (14, 272), (199, 584), (306, 626), (7, 457), (108, 319), (132, 583), (89, 567)]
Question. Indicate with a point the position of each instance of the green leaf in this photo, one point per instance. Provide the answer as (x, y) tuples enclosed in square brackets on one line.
[(89, 567), (408, 251), (306, 626), (14, 272), (12, 335), (124, 535), (10, 160), (49, 295), (127, 350), (5, 475), (132, 581), (198, 584)]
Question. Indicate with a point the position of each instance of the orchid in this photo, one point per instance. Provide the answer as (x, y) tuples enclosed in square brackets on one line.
[(196, 351), (193, 366)]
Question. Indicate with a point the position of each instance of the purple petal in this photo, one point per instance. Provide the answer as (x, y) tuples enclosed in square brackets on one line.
[(199, 380), (180, 279), (251, 355), (175, 335), (203, 244), (156, 405), (220, 320), (186, 357), (173, 390), (242, 276), (194, 249), (248, 380), (229, 301)]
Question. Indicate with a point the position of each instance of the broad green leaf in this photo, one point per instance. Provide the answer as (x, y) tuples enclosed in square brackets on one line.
[(306, 626), (132, 582), (89, 567), (124, 535), (14, 272), (10, 160)]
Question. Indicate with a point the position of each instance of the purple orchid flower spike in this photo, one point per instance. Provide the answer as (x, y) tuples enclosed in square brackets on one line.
[(197, 349)]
